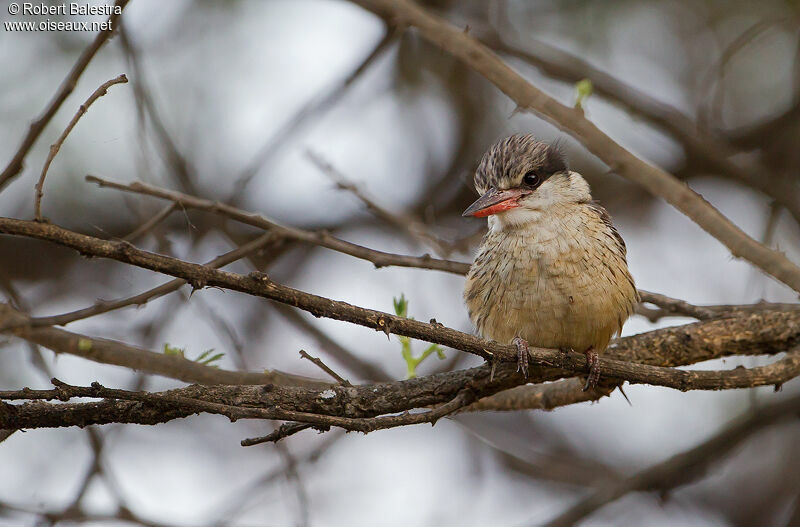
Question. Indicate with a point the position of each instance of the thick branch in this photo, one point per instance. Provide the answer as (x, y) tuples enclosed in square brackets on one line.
[(329, 405)]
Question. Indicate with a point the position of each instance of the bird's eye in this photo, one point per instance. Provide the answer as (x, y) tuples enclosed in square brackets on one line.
[(531, 178)]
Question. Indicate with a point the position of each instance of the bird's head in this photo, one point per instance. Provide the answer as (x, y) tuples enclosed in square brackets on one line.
[(519, 178)]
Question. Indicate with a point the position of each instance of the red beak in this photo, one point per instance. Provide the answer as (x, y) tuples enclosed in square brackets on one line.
[(494, 201)]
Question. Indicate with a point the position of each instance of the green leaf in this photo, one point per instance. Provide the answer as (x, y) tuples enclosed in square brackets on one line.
[(401, 309), (584, 89), (171, 350), (401, 306), (211, 359)]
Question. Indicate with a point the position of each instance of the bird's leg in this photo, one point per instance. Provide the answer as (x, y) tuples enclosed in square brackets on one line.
[(593, 361), (522, 355)]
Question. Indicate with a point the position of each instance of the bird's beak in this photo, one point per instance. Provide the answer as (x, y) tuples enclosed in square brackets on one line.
[(494, 201)]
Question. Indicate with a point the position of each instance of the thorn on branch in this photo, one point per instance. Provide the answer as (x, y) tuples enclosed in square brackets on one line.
[(383, 325)]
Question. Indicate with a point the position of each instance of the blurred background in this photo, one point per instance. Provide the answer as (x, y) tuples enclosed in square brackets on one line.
[(264, 104)]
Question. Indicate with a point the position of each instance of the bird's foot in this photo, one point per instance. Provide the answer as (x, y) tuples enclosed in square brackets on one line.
[(522, 355), (593, 361)]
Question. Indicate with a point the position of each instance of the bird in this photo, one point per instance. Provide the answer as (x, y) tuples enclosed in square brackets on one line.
[(552, 270)]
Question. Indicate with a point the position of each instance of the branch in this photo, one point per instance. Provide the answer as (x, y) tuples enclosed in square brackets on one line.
[(527, 97), (361, 408), (55, 147), (15, 165), (714, 152), (108, 351), (322, 239), (145, 296)]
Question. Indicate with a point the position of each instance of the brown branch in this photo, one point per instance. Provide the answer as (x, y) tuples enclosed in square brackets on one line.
[(67, 85), (656, 181), (163, 406), (685, 467), (548, 396), (698, 142), (117, 353), (55, 147), (673, 306), (283, 431), (322, 239), (145, 296), (362, 408)]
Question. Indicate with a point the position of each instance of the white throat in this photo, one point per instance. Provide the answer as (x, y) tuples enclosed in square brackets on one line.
[(558, 191)]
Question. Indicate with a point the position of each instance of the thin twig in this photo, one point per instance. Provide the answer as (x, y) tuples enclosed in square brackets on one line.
[(324, 367), (415, 228), (108, 351), (673, 306), (67, 85), (142, 298), (322, 239), (284, 431), (55, 147)]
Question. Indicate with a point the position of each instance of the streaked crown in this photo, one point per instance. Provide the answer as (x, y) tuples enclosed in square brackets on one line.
[(505, 164)]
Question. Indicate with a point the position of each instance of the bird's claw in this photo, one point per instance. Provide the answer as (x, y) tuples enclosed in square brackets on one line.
[(522, 355), (593, 362)]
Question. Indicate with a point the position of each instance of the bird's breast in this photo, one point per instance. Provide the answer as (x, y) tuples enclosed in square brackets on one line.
[(561, 283)]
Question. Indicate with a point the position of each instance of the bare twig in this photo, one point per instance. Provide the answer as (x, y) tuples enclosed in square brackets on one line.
[(673, 306), (67, 85), (284, 431), (55, 147), (112, 352), (323, 239), (364, 369), (144, 297), (324, 367), (698, 142), (656, 181), (418, 230)]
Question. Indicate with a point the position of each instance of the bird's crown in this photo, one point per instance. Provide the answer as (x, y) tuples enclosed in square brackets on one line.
[(508, 161)]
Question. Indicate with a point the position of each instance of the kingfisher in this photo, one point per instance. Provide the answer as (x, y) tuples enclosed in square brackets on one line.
[(551, 271)]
